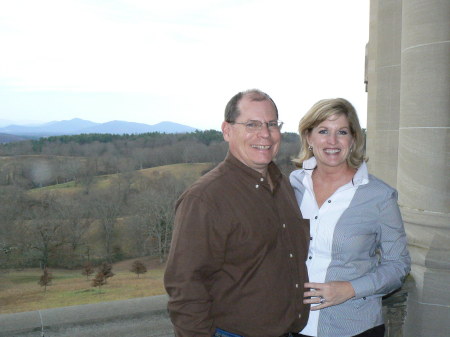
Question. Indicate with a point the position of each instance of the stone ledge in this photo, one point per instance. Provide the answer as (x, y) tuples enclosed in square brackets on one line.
[(25, 322)]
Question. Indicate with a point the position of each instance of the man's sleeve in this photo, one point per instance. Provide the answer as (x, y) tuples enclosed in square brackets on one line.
[(196, 253)]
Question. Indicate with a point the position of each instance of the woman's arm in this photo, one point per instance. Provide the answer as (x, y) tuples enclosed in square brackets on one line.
[(395, 262)]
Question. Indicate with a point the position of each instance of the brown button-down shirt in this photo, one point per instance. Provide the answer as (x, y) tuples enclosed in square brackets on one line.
[(237, 259)]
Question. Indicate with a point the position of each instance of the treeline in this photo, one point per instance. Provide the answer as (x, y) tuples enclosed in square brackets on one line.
[(100, 204), (60, 159)]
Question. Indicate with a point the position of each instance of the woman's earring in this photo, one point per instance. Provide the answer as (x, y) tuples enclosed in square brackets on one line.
[(310, 148)]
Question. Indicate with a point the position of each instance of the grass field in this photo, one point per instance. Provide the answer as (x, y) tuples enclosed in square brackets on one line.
[(20, 291)]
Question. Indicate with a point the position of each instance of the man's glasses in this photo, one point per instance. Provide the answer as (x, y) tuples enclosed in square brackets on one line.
[(254, 126)]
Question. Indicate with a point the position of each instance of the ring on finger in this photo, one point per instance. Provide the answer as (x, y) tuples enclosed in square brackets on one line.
[(322, 300)]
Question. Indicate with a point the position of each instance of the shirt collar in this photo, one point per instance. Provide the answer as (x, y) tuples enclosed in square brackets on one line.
[(272, 170), (361, 176), (309, 165)]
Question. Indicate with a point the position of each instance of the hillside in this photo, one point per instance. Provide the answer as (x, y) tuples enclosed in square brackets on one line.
[(98, 218), (69, 199), (189, 172), (7, 138)]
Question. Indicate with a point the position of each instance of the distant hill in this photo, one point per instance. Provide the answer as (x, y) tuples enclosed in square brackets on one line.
[(78, 126), (6, 122), (7, 138), (121, 127)]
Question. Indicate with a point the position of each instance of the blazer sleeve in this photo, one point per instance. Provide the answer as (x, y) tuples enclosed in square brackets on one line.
[(395, 262), (195, 255)]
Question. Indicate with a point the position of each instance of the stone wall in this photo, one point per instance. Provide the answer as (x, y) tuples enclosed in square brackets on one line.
[(408, 143)]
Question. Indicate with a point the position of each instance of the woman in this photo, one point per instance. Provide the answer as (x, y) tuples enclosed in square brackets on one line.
[(357, 248)]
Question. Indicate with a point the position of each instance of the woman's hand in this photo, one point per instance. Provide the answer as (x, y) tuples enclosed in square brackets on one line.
[(328, 294)]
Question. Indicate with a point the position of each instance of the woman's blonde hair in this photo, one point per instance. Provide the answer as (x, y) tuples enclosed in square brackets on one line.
[(321, 111)]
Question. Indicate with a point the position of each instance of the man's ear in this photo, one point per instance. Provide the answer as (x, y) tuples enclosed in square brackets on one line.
[(226, 129)]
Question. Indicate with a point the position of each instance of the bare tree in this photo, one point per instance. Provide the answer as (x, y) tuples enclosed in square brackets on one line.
[(155, 212), (45, 231), (45, 279), (86, 175), (88, 270), (140, 156), (13, 205), (107, 204), (75, 213)]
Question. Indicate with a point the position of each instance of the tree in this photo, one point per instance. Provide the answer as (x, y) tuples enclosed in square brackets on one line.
[(88, 270), (13, 204), (106, 270), (154, 212), (87, 173), (46, 279), (138, 268), (74, 213), (44, 230), (99, 280), (107, 205)]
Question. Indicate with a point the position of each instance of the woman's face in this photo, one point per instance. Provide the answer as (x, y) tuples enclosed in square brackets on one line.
[(331, 141)]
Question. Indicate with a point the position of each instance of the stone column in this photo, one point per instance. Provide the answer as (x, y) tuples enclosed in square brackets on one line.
[(370, 79), (384, 89), (423, 165)]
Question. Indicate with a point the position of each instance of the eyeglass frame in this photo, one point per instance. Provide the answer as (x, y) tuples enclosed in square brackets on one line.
[(259, 128)]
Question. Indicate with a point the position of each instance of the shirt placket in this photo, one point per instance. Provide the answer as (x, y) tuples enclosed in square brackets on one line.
[(317, 222)]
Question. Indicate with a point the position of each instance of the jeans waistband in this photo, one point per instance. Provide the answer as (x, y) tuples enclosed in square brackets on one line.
[(223, 333)]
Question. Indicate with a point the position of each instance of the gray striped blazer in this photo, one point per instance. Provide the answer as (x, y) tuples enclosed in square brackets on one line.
[(369, 250)]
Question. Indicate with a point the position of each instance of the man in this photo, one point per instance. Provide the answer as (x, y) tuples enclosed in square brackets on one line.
[(236, 266)]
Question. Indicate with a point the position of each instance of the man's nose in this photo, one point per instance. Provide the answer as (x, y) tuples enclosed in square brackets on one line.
[(264, 131)]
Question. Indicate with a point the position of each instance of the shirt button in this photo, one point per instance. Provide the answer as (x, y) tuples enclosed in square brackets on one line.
[(364, 298), (310, 257), (296, 285), (310, 237), (315, 217), (329, 201), (257, 186), (284, 225), (299, 315), (262, 179), (291, 256)]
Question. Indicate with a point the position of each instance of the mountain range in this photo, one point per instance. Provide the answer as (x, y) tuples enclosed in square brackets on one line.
[(78, 126)]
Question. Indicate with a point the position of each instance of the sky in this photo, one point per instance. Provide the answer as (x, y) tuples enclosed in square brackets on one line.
[(149, 61)]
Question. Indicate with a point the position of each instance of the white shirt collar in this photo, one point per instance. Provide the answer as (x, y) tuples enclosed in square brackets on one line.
[(309, 165), (361, 176)]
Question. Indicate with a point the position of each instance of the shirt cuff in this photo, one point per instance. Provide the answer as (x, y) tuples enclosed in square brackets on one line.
[(362, 287)]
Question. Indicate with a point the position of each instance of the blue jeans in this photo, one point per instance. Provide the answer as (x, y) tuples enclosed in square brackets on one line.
[(223, 333)]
